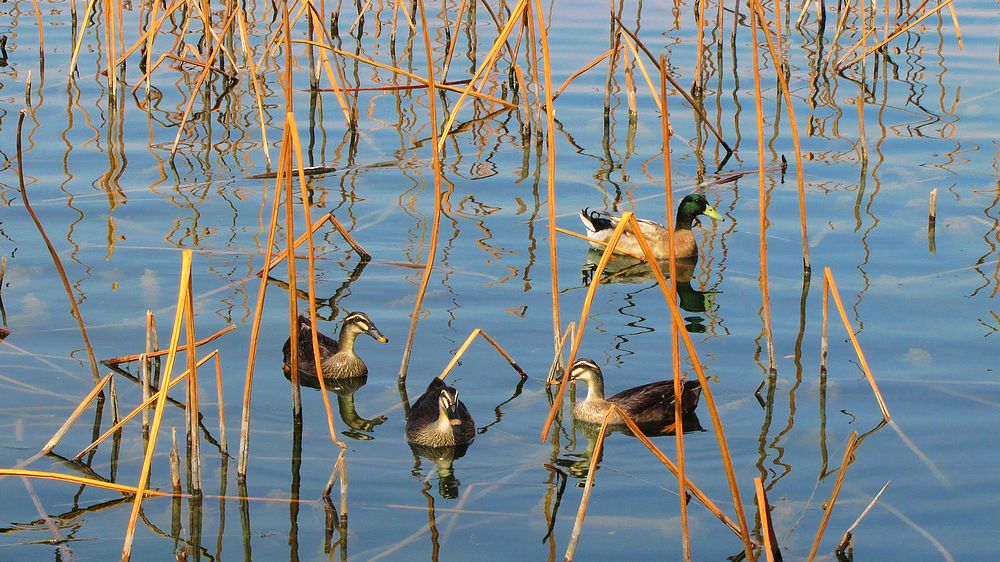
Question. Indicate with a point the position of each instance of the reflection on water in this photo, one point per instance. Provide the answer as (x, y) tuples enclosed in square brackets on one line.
[(578, 463), (344, 388), (442, 459), (629, 270)]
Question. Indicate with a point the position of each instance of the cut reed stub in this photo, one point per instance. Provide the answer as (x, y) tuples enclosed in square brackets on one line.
[(931, 222)]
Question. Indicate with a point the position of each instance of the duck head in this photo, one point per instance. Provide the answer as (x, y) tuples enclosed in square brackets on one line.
[(586, 370), (693, 205), (448, 403), (360, 323)]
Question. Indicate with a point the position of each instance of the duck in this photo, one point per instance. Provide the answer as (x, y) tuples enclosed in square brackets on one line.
[(337, 357), (439, 419), (600, 226), (648, 405)]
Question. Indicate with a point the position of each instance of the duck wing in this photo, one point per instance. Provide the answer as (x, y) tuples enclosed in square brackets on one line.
[(659, 394), (656, 396)]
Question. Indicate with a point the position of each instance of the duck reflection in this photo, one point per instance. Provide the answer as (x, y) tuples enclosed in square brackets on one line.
[(443, 459), (626, 269), (345, 388), (578, 464)]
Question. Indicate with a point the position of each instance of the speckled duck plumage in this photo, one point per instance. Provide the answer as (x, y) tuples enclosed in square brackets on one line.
[(600, 226), (649, 404), (439, 419), (337, 357)]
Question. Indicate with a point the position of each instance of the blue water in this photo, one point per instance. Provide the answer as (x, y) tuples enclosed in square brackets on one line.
[(118, 211)]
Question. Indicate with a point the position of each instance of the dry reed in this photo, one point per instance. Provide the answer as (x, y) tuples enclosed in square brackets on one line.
[(848, 455), (52, 252), (767, 527), (182, 302), (468, 341), (830, 287)]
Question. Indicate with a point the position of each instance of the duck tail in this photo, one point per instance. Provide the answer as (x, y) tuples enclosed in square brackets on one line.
[(594, 222)]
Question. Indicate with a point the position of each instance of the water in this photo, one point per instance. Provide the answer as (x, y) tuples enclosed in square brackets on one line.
[(118, 210)]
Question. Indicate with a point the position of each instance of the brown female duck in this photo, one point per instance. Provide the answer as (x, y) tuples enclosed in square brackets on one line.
[(439, 419), (337, 357), (600, 226), (648, 405)]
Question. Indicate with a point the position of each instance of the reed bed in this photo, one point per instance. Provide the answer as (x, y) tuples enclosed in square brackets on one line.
[(519, 47)]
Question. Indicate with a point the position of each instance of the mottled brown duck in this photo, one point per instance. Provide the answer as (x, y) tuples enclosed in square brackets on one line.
[(439, 419), (337, 357), (650, 404)]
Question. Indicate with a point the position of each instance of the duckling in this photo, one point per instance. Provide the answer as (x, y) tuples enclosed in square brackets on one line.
[(650, 404), (338, 358), (439, 419), (600, 226)]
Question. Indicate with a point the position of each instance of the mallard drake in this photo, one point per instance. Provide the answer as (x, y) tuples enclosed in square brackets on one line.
[(650, 404), (439, 419), (600, 226), (338, 358)]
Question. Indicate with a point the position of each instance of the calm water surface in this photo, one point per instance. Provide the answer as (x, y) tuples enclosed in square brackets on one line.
[(118, 211)]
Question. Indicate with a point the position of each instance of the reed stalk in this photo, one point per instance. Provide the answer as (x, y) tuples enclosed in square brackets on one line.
[(161, 352), (700, 111), (182, 300), (848, 453), (193, 409), (488, 62), (900, 30), (143, 407), (199, 82), (436, 169), (830, 287), (64, 428), (557, 357), (223, 442), (767, 528), (241, 467), (675, 470), (52, 251), (845, 540), (468, 341), (313, 318), (777, 58), (675, 352), (285, 177), (706, 391), (588, 486), (762, 196), (540, 24)]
